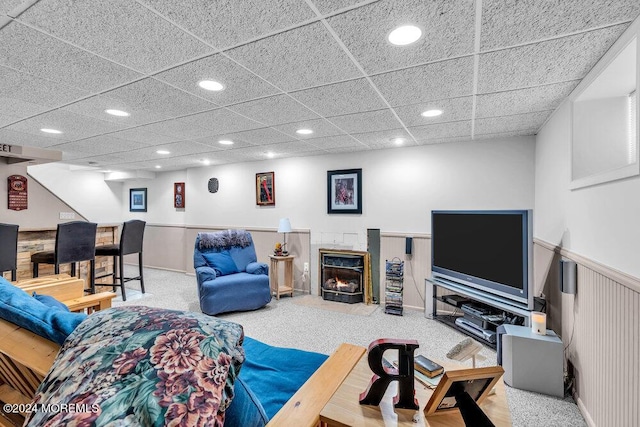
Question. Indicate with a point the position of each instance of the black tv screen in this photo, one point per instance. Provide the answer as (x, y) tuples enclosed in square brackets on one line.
[(487, 250)]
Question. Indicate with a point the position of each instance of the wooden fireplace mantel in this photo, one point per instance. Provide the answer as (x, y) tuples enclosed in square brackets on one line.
[(367, 285)]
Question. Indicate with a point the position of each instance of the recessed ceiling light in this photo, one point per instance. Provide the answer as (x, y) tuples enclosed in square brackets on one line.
[(404, 35), (397, 141), (45, 130), (304, 131), (270, 155), (206, 162), (163, 152), (158, 166), (211, 85), (225, 142), (118, 113), (431, 113)]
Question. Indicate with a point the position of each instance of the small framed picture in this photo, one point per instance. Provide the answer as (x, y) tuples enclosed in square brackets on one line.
[(455, 388), (137, 200), (178, 195), (344, 191), (265, 189)]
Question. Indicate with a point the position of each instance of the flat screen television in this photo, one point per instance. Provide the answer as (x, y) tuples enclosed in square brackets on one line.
[(490, 252)]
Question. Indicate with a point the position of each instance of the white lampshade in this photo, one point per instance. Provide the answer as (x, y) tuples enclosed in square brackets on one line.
[(284, 226)]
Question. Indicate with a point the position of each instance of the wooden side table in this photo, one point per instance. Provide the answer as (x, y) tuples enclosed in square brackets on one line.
[(344, 409), (287, 286)]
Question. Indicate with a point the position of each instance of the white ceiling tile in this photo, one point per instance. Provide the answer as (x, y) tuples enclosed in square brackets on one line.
[(274, 110), (367, 122), (34, 90), (340, 141), (328, 6), (8, 136), (104, 144), (537, 98), (557, 60), (453, 109), (341, 98), (510, 123), (445, 140), (221, 121), (123, 31), (8, 5), (178, 129), (71, 125), (15, 109), (303, 57), (384, 138), (320, 128), (423, 134), (176, 149), (118, 160), (157, 99), (439, 80), (515, 22), (225, 24), (447, 26), (240, 84), (95, 107), (525, 132), (288, 148), (27, 50), (251, 137), (144, 136)]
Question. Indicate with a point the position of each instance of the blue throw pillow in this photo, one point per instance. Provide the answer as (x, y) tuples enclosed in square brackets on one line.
[(221, 262), (21, 309), (50, 301), (245, 409)]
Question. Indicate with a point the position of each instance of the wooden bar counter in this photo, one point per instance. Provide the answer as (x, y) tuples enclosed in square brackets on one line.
[(32, 240)]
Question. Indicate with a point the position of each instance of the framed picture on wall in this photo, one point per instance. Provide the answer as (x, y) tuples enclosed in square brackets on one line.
[(344, 191), (178, 195), (137, 200), (265, 189)]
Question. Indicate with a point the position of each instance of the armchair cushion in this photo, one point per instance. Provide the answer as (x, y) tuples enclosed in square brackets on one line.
[(50, 301), (257, 268), (205, 274), (20, 308), (221, 262)]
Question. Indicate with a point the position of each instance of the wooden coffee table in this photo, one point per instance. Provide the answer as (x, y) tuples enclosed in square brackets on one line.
[(343, 408)]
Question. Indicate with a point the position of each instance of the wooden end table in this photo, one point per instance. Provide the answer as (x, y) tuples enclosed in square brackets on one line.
[(344, 409), (287, 286)]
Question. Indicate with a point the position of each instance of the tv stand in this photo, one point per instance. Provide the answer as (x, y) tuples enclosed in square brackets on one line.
[(472, 312)]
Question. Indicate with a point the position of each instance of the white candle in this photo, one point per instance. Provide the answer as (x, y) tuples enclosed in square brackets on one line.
[(539, 323)]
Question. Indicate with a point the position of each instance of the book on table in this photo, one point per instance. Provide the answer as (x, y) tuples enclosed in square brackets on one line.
[(427, 366)]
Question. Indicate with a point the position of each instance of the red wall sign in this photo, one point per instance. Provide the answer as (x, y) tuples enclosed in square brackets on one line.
[(17, 192)]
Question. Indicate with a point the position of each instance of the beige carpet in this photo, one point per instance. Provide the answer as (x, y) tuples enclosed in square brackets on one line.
[(315, 301)]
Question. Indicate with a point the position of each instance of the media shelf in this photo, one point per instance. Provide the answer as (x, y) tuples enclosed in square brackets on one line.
[(473, 313)]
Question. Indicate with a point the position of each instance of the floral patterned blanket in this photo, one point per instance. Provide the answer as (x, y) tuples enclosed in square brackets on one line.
[(142, 366)]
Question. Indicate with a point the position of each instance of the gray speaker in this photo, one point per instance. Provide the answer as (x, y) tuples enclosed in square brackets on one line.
[(568, 276), (213, 185)]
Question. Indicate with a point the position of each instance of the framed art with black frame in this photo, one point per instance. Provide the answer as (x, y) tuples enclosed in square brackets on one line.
[(463, 390), (344, 191), (137, 200), (266, 189)]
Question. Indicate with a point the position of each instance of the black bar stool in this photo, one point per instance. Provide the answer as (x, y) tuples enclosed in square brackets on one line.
[(9, 249), (75, 242), (130, 243)]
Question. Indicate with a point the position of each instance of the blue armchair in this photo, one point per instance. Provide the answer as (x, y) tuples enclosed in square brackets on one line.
[(228, 274)]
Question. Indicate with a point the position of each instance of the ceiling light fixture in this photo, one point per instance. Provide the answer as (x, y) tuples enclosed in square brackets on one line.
[(270, 155), (163, 152), (45, 130), (225, 142), (206, 162), (158, 166), (304, 131), (397, 141), (404, 35), (431, 113), (118, 113), (211, 85)]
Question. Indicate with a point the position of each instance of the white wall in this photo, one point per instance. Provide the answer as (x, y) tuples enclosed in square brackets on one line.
[(598, 222), (85, 191), (400, 188)]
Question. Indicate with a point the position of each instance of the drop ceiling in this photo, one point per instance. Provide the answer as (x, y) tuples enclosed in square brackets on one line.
[(495, 68)]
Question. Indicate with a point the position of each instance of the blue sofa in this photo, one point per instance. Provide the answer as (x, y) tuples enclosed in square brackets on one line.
[(228, 274)]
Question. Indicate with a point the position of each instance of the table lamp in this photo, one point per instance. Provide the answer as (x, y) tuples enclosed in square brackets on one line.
[(284, 227)]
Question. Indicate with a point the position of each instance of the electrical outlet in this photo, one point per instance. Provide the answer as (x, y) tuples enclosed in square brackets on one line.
[(67, 215), (306, 267)]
